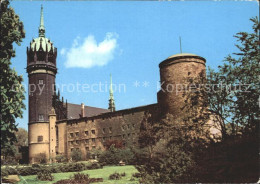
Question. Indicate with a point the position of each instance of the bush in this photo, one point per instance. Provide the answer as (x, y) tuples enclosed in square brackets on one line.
[(137, 175), (116, 176), (113, 156), (25, 171), (76, 155), (60, 158), (4, 172), (80, 178), (41, 158), (10, 170), (93, 166), (45, 175), (35, 168)]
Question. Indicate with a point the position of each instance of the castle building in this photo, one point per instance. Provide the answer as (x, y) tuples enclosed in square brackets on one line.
[(58, 127)]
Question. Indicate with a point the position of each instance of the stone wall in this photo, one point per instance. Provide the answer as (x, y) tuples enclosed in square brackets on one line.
[(90, 133)]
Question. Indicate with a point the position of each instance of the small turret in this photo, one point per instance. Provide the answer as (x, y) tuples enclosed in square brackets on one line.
[(111, 106)]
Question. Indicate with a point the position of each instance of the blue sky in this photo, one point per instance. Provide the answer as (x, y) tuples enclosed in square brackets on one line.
[(128, 40)]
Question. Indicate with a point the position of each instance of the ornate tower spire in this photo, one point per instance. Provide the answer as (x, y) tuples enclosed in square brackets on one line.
[(112, 106), (41, 28)]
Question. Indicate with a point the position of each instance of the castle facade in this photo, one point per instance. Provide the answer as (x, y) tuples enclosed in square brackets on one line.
[(58, 127)]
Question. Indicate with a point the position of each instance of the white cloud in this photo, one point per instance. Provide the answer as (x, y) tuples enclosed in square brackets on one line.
[(89, 53)]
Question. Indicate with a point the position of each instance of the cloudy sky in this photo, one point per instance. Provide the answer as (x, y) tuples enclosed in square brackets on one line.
[(128, 40)]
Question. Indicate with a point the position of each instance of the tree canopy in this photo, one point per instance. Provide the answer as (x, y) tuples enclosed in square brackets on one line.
[(12, 93)]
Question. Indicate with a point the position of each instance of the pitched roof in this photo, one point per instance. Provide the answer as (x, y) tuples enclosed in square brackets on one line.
[(74, 110)]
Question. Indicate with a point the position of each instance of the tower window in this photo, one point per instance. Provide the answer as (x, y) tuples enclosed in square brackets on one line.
[(40, 81), (77, 134), (93, 131), (40, 138), (86, 141), (86, 132), (41, 118), (110, 129), (104, 130)]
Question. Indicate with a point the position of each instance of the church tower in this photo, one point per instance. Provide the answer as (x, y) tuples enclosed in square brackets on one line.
[(41, 69), (111, 105)]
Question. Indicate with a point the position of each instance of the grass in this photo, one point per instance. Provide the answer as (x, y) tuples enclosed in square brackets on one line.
[(97, 173)]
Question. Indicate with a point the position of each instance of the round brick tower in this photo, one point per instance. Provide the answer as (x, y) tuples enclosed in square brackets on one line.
[(174, 74), (41, 69)]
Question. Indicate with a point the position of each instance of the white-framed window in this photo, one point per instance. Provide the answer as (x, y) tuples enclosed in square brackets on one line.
[(41, 118), (40, 81)]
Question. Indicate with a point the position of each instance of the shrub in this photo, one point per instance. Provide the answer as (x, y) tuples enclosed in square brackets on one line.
[(60, 158), (45, 175), (116, 176), (93, 166), (25, 171), (4, 172), (126, 155), (10, 170), (113, 155), (41, 158), (80, 178), (137, 175), (35, 168), (76, 155)]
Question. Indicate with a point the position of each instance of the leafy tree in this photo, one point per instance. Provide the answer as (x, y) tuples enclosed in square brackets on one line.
[(173, 155), (76, 155), (243, 68), (94, 153), (231, 94), (147, 134), (12, 93), (22, 137), (110, 157)]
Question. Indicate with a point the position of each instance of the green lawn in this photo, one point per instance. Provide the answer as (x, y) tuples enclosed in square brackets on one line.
[(96, 173)]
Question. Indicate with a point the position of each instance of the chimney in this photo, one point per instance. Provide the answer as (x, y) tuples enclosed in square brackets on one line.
[(82, 110)]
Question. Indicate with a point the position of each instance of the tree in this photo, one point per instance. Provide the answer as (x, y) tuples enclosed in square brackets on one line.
[(22, 137), (243, 69), (147, 137), (232, 93), (76, 155), (12, 93), (173, 153)]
